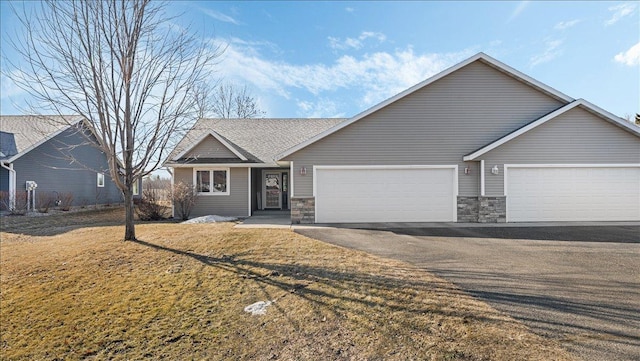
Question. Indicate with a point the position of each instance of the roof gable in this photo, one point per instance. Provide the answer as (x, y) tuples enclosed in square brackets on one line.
[(220, 140), (258, 140), (602, 114), (30, 131), (478, 57)]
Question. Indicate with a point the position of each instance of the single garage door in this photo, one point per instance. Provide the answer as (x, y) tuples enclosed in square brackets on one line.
[(385, 194), (573, 193)]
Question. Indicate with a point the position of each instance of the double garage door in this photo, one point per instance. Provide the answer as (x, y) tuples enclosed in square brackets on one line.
[(385, 194), (428, 193), (572, 193)]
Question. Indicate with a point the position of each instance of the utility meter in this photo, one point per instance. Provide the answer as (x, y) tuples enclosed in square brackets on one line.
[(31, 185)]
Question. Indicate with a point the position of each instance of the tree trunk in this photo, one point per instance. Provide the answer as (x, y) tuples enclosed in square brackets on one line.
[(129, 226)]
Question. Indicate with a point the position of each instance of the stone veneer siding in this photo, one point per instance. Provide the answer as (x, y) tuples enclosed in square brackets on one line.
[(492, 209), (470, 209), (467, 209), (303, 210), (482, 209)]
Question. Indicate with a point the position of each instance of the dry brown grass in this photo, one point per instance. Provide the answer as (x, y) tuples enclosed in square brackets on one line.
[(179, 293)]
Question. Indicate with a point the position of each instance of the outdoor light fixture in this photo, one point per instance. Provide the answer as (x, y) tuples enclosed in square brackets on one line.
[(467, 170), (303, 170), (495, 170)]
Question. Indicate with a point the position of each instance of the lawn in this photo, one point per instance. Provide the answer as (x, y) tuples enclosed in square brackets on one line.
[(70, 290)]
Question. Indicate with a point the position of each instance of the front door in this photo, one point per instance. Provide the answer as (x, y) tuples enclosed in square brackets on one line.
[(273, 190)]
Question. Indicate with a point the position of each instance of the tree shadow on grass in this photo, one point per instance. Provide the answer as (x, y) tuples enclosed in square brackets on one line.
[(53, 224), (335, 289), (562, 309)]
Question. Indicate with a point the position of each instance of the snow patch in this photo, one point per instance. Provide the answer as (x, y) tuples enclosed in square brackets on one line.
[(210, 219), (258, 308)]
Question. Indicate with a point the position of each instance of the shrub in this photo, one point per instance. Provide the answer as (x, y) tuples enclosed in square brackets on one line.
[(4, 200), (184, 197), (20, 207), (65, 201), (44, 201), (149, 207)]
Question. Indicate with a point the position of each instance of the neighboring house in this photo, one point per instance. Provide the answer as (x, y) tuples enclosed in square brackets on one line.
[(59, 156), (478, 142)]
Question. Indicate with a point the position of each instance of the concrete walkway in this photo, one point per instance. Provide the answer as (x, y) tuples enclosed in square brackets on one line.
[(267, 219)]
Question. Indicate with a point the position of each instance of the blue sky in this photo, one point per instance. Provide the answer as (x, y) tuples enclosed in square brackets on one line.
[(336, 59)]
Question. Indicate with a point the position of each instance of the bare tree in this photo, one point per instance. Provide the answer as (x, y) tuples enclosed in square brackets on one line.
[(125, 66), (226, 100)]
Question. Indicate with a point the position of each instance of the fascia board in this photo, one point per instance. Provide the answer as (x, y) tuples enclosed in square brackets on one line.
[(42, 141), (480, 56), (580, 102), (520, 131), (224, 165), (219, 139)]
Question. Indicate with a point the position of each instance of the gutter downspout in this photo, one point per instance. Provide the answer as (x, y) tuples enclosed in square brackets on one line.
[(173, 206), (12, 184)]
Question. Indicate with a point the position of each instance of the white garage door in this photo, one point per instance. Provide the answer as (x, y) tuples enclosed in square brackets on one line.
[(573, 194), (376, 194)]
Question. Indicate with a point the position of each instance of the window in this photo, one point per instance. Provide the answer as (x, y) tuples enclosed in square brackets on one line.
[(212, 181), (135, 189), (100, 180)]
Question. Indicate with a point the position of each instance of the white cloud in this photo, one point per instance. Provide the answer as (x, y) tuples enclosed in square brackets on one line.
[(355, 43), (619, 12), (566, 24), (8, 88), (219, 16), (630, 57), (551, 51), (349, 9), (518, 10), (371, 77), (323, 108)]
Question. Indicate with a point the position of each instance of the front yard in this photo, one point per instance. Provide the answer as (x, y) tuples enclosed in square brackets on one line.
[(73, 290)]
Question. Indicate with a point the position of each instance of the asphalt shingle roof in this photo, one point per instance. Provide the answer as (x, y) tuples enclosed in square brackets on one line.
[(29, 130), (257, 139)]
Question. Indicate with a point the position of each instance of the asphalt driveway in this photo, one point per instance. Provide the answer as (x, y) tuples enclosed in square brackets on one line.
[(586, 294)]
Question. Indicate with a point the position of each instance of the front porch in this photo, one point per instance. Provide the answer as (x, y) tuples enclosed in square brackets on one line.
[(270, 190), (267, 219)]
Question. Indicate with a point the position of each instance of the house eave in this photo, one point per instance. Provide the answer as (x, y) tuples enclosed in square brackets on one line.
[(480, 56), (219, 138), (221, 165), (35, 145), (580, 102)]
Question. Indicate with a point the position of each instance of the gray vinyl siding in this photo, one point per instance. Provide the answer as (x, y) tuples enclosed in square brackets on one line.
[(4, 180), (210, 147), (54, 171), (436, 125), (575, 137), (51, 167), (4, 186), (235, 204)]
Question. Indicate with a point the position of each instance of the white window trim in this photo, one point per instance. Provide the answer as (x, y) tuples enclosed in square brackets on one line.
[(482, 178), (248, 192), (135, 190), (211, 170), (100, 176)]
